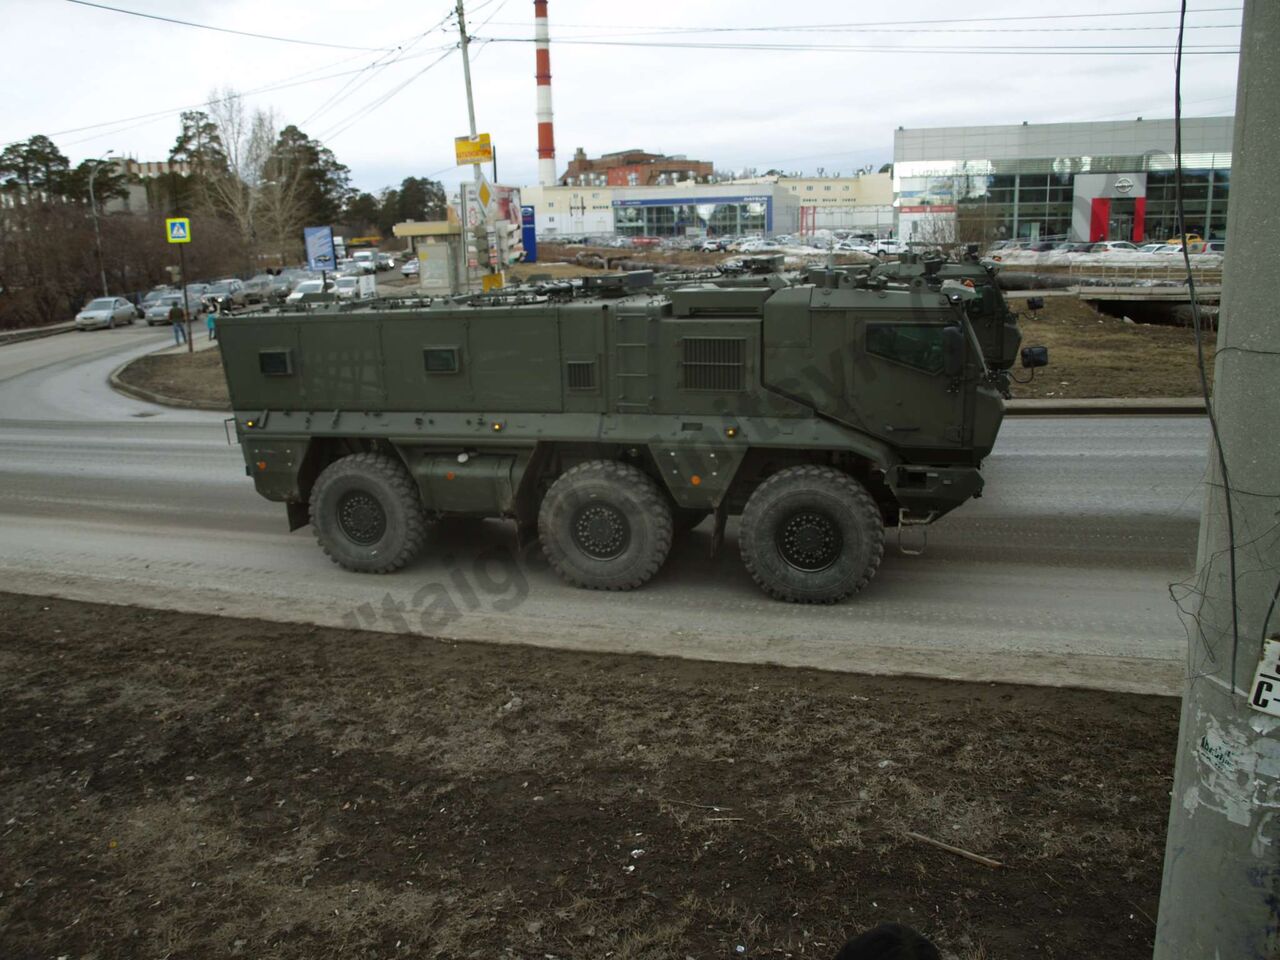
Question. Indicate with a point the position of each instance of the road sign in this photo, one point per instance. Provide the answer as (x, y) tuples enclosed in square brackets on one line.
[(476, 149), (177, 229), (319, 245)]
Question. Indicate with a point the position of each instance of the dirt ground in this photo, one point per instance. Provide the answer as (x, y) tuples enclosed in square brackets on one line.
[(197, 377), (189, 787), (1095, 355)]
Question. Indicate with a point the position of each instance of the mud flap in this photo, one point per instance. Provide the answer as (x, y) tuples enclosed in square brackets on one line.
[(299, 515), (717, 533)]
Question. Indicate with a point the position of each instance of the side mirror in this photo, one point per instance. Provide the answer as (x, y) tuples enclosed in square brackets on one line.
[(1035, 356), (952, 351)]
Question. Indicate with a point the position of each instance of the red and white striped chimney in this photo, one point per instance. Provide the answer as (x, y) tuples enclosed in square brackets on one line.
[(546, 134)]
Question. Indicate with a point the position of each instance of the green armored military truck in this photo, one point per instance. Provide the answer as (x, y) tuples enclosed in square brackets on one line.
[(607, 419)]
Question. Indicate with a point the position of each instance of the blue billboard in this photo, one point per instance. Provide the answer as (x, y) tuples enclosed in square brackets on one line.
[(528, 234), (319, 244)]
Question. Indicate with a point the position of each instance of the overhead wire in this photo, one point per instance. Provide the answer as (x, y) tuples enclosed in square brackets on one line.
[(208, 26), (376, 67), (351, 119), (1199, 338)]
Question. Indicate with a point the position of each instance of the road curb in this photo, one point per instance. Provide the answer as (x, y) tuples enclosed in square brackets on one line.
[(37, 333), (150, 396), (1108, 407)]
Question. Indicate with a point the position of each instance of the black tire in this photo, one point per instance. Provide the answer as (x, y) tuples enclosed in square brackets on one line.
[(366, 513), (686, 518), (605, 525), (811, 535)]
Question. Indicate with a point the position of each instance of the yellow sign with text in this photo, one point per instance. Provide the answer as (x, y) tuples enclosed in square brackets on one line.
[(177, 230), (475, 149)]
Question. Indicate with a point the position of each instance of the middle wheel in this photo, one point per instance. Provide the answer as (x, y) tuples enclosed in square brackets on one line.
[(605, 525)]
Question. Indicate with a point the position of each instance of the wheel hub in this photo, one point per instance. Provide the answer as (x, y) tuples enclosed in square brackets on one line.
[(601, 531), (809, 541), (361, 518)]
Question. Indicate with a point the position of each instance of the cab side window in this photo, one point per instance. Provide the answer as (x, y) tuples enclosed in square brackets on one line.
[(917, 345)]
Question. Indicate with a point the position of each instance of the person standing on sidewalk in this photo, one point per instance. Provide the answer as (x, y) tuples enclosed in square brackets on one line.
[(178, 318), (211, 319)]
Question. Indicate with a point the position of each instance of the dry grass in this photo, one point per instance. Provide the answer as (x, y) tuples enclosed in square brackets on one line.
[(200, 786), (1094, 355)]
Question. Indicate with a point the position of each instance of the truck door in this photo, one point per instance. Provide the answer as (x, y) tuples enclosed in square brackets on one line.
[(910, 381)]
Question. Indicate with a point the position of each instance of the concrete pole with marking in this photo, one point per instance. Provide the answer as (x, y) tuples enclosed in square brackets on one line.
[(1220, 897), (477, 176)]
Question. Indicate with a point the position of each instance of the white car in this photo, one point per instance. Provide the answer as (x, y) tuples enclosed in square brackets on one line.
[(888, 248), (410, 268), (1114, 246), (347, 288), (106, 312), (310, 286), (853, 246)]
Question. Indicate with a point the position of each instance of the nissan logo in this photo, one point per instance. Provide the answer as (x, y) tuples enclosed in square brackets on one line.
[(1123, 185)]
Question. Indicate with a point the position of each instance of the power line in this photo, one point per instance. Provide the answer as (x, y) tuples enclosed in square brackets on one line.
[(345, 124), (144, 118), (376, 67), (207, 26), (828, 27), (1128, 50)]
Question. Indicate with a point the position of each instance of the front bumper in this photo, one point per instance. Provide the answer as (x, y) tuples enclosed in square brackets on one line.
[(926, 493)]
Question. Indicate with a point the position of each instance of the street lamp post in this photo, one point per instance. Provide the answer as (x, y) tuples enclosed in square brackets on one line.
[(93, 208)]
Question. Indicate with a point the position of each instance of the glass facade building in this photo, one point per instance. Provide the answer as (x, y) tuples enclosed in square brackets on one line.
[(715, 210), (1077, 181)]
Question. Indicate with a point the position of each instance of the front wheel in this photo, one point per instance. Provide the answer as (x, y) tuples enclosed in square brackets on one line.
[(811, 534), (605, 525), (366, 513)]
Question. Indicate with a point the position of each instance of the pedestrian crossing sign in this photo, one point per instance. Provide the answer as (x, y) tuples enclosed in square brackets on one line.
[(178, 229)]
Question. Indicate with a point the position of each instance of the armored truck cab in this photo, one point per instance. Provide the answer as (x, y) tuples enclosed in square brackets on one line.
[(609, 421)]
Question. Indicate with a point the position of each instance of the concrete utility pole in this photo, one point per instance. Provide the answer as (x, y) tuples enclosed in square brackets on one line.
[(477, 176), (93, 209), (1221, 892)]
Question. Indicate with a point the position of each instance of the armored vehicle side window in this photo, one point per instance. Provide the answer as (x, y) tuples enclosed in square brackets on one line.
[(275, 363), (440, 359), (917, 345)]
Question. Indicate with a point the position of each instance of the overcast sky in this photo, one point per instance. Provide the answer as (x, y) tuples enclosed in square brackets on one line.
[(67, 67)]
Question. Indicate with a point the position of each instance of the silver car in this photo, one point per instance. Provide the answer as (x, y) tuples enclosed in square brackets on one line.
[(158, 310), (106, 312)]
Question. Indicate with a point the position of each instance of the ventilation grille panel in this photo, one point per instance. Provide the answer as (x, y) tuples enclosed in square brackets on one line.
[(580, 374), (713, 363)]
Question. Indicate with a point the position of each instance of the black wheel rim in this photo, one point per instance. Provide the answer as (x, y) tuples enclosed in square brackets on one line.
[(809, 540), (361, 517), (601, 531)]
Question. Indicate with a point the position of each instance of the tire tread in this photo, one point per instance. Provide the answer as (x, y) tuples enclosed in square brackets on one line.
[(858, 497), (395, 475)]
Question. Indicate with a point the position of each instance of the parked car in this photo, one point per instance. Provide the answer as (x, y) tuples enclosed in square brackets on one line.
[(410, 268), (386, 261), (258, 289), (853, 246), (229, 293), (105, 312), (311, 286), (157, 312), (154, 294), (1207, 246), (888, 247), (347, 288), (1114, 246)]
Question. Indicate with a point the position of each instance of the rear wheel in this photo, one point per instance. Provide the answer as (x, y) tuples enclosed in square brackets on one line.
[(605, 525), (811, 535), (366, 513)]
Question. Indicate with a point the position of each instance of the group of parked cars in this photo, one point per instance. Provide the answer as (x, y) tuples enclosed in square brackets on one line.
[(1194, 245), (287, 285)]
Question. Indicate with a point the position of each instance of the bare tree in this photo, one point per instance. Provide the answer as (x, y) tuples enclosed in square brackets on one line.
[(247, 141)]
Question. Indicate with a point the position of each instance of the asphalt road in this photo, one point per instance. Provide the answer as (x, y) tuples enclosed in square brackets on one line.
[(1059, 575)]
